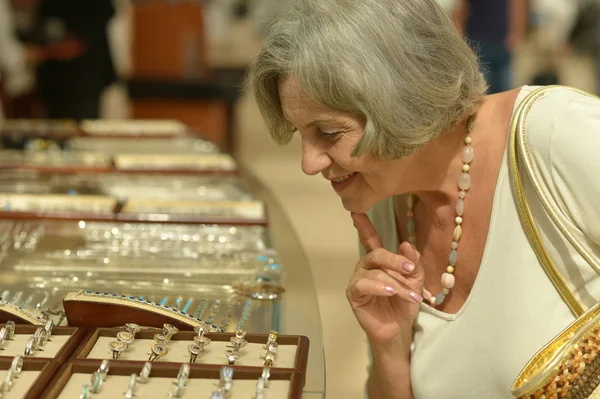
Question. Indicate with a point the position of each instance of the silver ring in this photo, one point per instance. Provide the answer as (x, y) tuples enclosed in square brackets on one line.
[(17, 365), (272, 338), (145, 373), (162, 339), (3, 335), (10, 330), (96, 382), (48, 327), (158, 351), (85, 392), (131, 388), (200, 330), (218, 394), (260, 389), (125, 337), (116, 348), (226, 381), (266, 374), (202, 341), (133, 328), (39, 338), (194, 351), (29, 346), (184, 373), (231, 356), (8, 381), (104, 367), (169, 330)]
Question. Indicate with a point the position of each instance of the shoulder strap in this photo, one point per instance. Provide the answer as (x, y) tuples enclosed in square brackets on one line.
[(518, 146)]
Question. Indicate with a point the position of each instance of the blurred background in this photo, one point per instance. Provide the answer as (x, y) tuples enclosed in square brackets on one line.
[(185, 60)]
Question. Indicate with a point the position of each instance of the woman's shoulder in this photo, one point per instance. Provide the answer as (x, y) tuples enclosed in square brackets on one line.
[(562, 130), (562, 123)]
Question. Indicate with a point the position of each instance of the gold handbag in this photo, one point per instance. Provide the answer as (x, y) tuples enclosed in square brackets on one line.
[(569, 365)]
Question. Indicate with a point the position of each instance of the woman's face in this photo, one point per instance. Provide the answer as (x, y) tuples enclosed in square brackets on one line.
[(328, 138)]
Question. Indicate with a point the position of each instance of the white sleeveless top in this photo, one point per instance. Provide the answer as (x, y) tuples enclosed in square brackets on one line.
[(513, 308)]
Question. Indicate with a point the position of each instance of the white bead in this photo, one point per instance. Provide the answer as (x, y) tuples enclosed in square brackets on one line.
[(445, 291), (467, 154), (468, 140), (466, 168), (464, 181), (458, 220), (460, 207), (448, 280), (462, 194), (454, 245)]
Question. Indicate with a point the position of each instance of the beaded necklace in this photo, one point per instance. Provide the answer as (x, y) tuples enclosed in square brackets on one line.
[(464, 183)]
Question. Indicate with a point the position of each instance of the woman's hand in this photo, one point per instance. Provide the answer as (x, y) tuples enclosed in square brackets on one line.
[(386, 288)]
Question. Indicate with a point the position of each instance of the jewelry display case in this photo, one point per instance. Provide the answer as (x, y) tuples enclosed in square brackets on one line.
[(97, 237)]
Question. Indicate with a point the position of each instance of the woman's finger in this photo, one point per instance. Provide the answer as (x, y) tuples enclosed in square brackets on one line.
[(367, 234), (361, 290), (407, 250), (381, 258)]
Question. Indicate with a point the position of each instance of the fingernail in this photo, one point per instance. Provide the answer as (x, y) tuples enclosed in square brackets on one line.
[(391, 290), (416, 297), (407, 266)]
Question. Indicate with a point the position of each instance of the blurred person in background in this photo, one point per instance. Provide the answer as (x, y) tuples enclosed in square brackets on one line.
[(496, 28), (15, 57), (71, 84)]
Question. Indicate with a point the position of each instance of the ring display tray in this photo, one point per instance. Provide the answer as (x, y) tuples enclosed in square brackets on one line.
[(202, 382), (231, 212), (49, 161), (292, 351), (149, 145), (133, 128), (122, 186), (63, 342), (33, 380), (174, 162)]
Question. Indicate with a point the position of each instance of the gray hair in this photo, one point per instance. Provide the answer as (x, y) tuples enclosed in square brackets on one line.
[(400, 65)]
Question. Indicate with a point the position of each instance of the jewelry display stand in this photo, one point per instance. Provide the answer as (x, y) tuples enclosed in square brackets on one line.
[(33, 379), (292, 351), (63, 342), (202, 382)]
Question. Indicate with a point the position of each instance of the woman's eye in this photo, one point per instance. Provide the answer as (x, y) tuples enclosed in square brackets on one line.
[(330, 135)]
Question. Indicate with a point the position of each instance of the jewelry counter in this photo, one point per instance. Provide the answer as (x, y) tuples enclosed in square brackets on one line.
[(118, 247)]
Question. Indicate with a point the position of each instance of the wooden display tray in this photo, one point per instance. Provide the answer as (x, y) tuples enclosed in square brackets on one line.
[(47, 370), (64, 353), (86, 309), (168, 370), (19, 315), (300, 363)]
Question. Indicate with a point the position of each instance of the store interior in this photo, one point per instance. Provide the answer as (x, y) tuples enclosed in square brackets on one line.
[(184, 62)]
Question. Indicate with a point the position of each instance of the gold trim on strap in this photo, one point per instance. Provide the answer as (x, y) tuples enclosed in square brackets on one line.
[(516, 138), (541, 191)]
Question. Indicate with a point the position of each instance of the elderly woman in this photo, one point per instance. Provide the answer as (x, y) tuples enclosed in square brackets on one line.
[(390, 105)]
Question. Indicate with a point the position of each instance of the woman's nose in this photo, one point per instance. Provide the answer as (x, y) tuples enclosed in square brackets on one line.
[(314, 158)]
